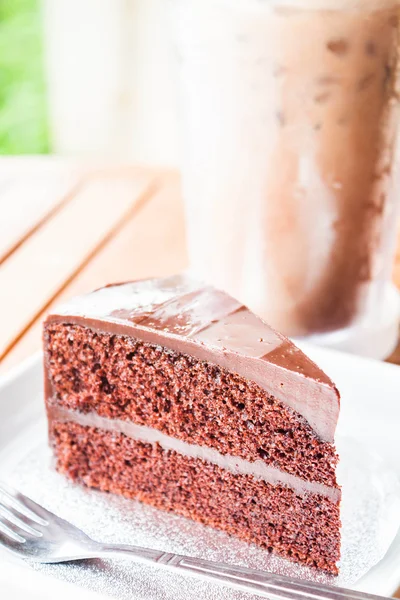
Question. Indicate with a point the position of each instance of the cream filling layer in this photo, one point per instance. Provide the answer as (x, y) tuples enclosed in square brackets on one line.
[(239, 466)]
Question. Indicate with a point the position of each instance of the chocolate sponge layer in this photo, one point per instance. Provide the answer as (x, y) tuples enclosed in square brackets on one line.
[(301, 527), (195, 401)]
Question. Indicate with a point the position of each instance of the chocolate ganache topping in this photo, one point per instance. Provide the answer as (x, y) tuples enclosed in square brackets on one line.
[(188, 316)]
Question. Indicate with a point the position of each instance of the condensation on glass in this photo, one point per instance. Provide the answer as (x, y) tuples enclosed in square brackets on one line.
[(289, 119)]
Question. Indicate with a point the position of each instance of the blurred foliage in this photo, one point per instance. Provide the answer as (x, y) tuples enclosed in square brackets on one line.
[(23, 110)]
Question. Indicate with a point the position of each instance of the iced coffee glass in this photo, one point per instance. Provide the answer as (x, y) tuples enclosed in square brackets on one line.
[(289, 118)]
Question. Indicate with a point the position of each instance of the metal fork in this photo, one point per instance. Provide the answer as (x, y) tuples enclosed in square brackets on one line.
[(34, 533)]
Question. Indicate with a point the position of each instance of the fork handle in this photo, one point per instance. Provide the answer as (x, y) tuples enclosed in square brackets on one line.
[(275, 587)]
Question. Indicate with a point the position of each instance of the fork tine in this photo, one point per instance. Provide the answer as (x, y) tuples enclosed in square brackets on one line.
[(10, 543), (20, 520), (25, 505), (10, 531)]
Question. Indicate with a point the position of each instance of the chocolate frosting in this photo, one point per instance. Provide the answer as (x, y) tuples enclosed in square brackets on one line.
[(187, 316)]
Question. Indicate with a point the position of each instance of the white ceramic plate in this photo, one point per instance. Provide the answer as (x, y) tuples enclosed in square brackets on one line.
[(370, 411)]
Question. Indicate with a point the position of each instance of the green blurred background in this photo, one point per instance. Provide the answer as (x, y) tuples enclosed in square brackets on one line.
[(23, 111)]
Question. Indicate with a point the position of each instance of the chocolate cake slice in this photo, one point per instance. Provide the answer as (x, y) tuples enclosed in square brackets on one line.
[(174, 393)]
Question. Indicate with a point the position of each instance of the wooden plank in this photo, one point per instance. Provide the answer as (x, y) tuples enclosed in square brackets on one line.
[(33, 275), (26, 201), (151, 243)]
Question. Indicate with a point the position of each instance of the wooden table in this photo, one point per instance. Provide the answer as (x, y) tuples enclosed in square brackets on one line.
[(68, 228)]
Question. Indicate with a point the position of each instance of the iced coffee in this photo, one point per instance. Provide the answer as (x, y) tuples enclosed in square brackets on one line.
[(290, 119)]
